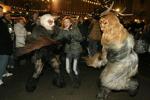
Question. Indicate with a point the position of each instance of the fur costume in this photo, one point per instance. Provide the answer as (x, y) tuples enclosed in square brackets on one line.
[(118, 55), (43, 52), (41, 35)]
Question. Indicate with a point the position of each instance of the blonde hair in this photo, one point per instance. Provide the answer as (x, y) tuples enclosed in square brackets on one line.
[(66, 17), (114, 32)]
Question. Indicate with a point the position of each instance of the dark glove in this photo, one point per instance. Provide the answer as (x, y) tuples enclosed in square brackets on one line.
[(64, 41), (68, 41)]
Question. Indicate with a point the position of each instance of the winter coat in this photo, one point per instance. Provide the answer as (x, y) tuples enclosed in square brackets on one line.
[(6, 46), (21, 34), (74, 37), (39, 31)]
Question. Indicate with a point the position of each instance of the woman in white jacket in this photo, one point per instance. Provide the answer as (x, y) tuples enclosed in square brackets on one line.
[(20, 32)]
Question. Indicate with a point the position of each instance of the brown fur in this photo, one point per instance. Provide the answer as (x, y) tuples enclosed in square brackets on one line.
[(113, 31), (91, 59)]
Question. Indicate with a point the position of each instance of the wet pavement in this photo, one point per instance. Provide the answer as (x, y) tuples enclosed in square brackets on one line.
[(14, 88)]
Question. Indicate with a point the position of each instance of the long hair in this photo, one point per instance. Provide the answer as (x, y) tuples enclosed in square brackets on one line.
[(66, 17), (113, 30)]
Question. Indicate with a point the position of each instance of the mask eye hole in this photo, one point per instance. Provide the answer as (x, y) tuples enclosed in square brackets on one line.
[(104, 22), (50, 22)]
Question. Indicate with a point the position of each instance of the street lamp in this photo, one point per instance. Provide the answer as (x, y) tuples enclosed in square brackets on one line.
[(55, 6)]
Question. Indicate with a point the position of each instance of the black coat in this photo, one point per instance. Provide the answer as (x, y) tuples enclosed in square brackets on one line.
[(6, 46)]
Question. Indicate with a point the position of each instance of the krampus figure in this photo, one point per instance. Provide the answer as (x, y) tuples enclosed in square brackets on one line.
[(42, 56), (41, 45), (118, 56)]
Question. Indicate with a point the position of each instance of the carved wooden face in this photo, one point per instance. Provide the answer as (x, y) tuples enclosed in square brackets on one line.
[(113, 30), (103, 24), (108, 21), (47, 21)]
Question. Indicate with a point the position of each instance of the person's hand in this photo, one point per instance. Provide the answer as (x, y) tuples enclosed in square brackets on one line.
[(67, 40), (28, 33), (66, 28)]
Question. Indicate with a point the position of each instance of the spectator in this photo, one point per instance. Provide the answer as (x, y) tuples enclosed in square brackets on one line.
[(5, 44), (21, 32), (9, 21)]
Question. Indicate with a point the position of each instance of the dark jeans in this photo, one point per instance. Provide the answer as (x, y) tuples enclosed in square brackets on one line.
[(3, 64)]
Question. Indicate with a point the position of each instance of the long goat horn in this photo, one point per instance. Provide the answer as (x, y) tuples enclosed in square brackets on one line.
[(108, 9), (125, 14), (121, 13)]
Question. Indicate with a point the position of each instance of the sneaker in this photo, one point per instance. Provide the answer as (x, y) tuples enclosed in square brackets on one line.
[(133, 92), (7, 74), (1, 82)]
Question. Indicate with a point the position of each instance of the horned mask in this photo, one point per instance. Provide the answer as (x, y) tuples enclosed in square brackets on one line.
[(47, 21)]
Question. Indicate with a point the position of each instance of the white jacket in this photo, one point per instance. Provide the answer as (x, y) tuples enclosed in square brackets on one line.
[(21, 34)]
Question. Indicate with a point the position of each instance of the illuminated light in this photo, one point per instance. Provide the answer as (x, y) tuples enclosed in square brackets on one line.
[(95, 2), (143, 20), (20, 12), (137, 20), (47, 0), (4, 10), (55, 6), (5, 7), (117, 9), (13, 12), (85, 18), (27, 13)]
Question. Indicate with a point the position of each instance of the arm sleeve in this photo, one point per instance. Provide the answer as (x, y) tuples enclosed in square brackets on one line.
[(77, 36), (60, 35)]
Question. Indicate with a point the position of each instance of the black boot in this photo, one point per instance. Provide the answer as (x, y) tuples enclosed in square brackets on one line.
[(76, 82), (133, 92), (58, 80), (133, 87), (31, 84), (103, 94), (71, 76)]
